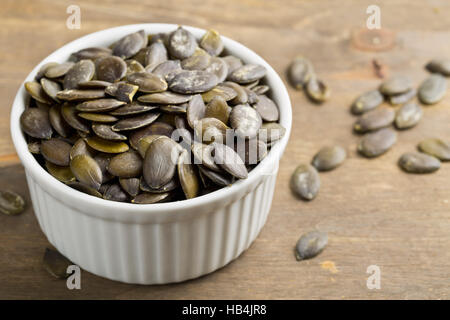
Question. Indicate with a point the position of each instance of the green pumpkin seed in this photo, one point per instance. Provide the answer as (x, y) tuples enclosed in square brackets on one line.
[(82, 71), (193, 81), (208, 130), (310, 245), (233, 63), (115, 193), (376, 143), (11, 203), (329, 158), (80, 147), (433, 89), (218, 178), (134, 66), (408, 115), (317, 90), (56, 151), (218, 67), (59, 70), (227, 93), (246, 121), (130, 186), (149, 198), (97, 117), (167, 67), (196, 110), (132, 108), (198, 61), (188, 177), (110, 69), (396, 85), (136, 122), (165, 98), (247, 73), (37, 92), (56, 264), (35, 122), (63, 174), (144, 142), (299, 72), (416, 162), (436, 148), (267, 109), (160, 162), (441, 66), (99, 105), (403, 97), (156, 54), (212, 42), (367, 101), (229, 161), (94, 84), (87, 171), (156, 128), (92, 53), (176, 109), (182, 43), (107, 146), (147, 82), (75, 94), (126, 165), (105, 131), (51, 88), (305, 182), (69, 114), (375, 119), (129, 45), (122, 91), (84, 188), (218, 108)]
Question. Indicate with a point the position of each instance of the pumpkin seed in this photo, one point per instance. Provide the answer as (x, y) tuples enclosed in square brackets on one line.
[(167, 67), (300, 72), (92, 53), (227, 93), (122, 91), (196, 110), (82, 71), (129, 45), (34, 147), (433, 89), (374, 119), (126, 165), (317, 90), (396, 85), (241, 94), (51, 88), (246, 121), (136, 122), (147, 82), (105, 131), (177, 109), (56, 264), (198, 61), (408, 115), (187, 175), (441, 66), (35, 122), (144, 142), (310, 245), (376, 143), (87, 171), (97, 117), (233, 63), (134, 66), (11, 203), (367, 101), (107, 146), (252, 151), (80, 147), (69, 114), (218, 178), (75, 94), (218, 108), (56, 151), (58, 123), (261, 89), (193, 81), (156, 54), (305, 181), (436, 148), (329, 158), (156, 128), (171, 185), (63, 174), (99, 105), (402, 97), (230, 161), (208, 130), (247, 73), (115, 193), (149, 198), (218, 67), (84, 188), (110, 69), (416, 162), (59, 70), (132, 108), (130, 186), (41, 73), (165, 98), (212, 42), (160, 162), (103, 160), (267, 109), (37, 92), (203, 155), (182, 43), (94, 84)]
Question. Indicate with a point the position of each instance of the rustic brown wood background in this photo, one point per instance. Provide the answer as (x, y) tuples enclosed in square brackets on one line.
[(374, 213)]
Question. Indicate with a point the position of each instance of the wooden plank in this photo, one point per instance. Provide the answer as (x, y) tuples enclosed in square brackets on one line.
[(374, 213)]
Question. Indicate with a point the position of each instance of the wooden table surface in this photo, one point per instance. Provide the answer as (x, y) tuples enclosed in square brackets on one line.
[(374, 213)]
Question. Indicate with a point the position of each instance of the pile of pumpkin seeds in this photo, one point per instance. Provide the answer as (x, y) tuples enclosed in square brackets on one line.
[(152, 118)]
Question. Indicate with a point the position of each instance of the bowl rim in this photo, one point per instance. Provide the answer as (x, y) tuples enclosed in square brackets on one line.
[(111, 209)]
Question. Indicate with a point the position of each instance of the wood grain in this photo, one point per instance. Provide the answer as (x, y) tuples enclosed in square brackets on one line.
[(374, 213)]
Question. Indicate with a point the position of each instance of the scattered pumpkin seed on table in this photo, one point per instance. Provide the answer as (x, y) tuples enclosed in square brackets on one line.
[(11, 203), (416, 162), (310, 245)]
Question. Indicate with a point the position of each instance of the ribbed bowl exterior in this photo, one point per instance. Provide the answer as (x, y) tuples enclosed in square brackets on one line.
[(154, 253)]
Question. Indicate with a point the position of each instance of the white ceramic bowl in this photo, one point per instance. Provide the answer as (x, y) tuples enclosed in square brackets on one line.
[(155, 243)]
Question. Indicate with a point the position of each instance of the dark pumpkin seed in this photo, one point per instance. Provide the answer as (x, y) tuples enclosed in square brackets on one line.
[(408, 115), (165, 98), (187, 175), (375, 119), (80, 147), (147, 82), (212, 42), (167, 67), (441, 66), (132, 108), (56, 151), (196, 110), (367, 101), (149, 198), (247, 73), (156, 128), (122, 91), (51, 88), (317, 90), (218, 178), (246, 121), (267, 109), (11, 203), (144, 142), (134, 66), (105, 131), (403, 97), (37, 92), (329, 158), (227, 93), (82, 71), (99, 105), (176, 109), (376, 143), (56, 264), (416, 162), (305, 182), (129, 45), (75, 94), (182, 44), (171, 185), (97, 117), (203, 154), (92, 53), (115, 193), (59, 70), (103, 160), (218, 108), (198, 61), (436, 148), (41, 73), (126, 165), (69, 114), (84, 188), (107, 146), (94, 84), (63, 174), (110, 69), (136, 122), (299, 72), (396, 85), (261, 89), (310, 245), (433, 89), (156, 54), (208, 130), (130, 186), (34, 147), (230, 161), (193, 81), (35, 122), (241, 94), (87, 171)]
